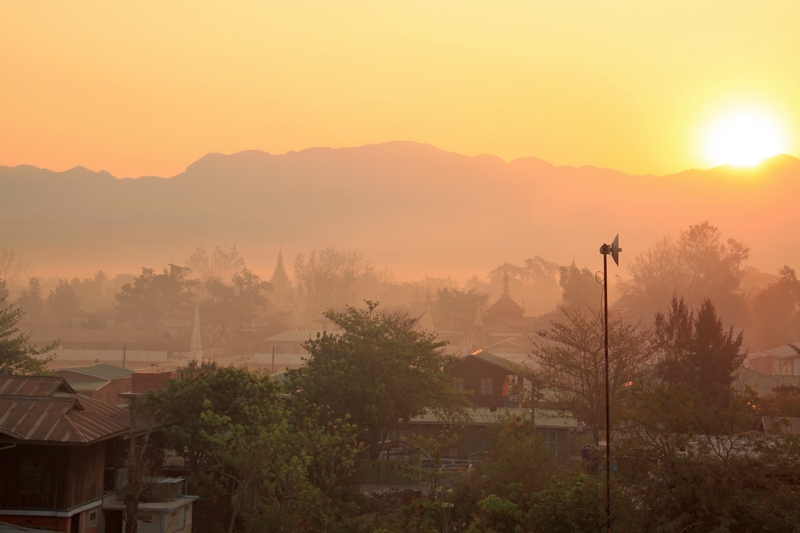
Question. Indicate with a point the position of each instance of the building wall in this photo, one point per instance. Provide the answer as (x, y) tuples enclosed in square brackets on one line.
[(35, 477), (86, 521), (473, 371), (51, 477), (86, 466)]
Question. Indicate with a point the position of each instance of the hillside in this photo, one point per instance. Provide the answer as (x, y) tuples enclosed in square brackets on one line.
[(410, 207)]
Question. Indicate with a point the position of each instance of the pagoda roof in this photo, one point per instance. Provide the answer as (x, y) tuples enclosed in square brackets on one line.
[(505, 306)]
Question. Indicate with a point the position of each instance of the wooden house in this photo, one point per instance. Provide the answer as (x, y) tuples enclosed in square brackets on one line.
[(55, 446), (492, 381), (61, 457)]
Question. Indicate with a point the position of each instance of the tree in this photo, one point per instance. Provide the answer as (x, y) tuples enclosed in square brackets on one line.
[(31, 299), (693, 465), (10, 266), (571, 362), (231, 310), (695, 351), (331, 278), (222, 263), (154, 298), (698, 265), (456, 308), (775, 314), (63, 303), (17, 353), (579, 286), (279, 467), (379, 370)]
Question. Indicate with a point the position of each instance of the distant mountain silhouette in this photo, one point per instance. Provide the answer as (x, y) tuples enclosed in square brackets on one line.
[(407, 206)]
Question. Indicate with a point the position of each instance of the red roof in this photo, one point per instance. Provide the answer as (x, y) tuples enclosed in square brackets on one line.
[(47, 410)]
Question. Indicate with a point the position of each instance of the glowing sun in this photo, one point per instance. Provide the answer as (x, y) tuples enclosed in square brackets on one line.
[(743, 138)]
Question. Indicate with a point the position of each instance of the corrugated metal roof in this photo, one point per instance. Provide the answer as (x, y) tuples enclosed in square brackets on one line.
[(45, 409), (101, 370), (494, 360), (32, 386)]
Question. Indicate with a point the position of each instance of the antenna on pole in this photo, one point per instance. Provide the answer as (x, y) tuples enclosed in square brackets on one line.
[(614, 251)]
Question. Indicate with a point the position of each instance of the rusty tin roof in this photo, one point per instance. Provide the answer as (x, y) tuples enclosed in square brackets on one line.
[(47, 410)]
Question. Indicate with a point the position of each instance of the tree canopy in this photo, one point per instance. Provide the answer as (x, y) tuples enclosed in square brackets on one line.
[(17, 354), (571, 359), (695, 351), (698, 265), (380, 370)]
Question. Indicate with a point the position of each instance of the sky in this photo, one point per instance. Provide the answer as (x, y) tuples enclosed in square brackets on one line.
[(146, 88)]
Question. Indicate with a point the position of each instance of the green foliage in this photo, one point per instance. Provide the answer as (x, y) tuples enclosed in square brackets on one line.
[(281, 467), (783, 402), (380, 370), (17, 354), (570, 503)]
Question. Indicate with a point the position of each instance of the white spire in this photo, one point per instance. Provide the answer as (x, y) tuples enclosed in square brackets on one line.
[(197, 346)]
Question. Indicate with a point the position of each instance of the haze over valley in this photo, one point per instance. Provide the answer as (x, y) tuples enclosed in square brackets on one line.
[(408, 207)]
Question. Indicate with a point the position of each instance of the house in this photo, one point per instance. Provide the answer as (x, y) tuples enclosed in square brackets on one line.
[(780, 361), (490, 380), (142, 382), (58, 452), (61, 458), (101, 382)]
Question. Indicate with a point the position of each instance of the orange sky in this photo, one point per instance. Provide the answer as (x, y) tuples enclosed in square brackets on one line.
[(145, 88)]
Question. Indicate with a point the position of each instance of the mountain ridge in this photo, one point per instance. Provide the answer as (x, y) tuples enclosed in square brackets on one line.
[(408, 206)]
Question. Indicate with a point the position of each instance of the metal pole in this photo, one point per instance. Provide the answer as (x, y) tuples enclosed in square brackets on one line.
[(608, 418)]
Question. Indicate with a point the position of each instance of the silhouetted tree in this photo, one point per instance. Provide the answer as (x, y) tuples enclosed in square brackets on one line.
[(571, 360), (222, 263), (775, 311), (63, 303), (31, 299), (154, 298), (696, 351), (579, 287), (231, 311), (331, 278), (697, 266), (456, 308)]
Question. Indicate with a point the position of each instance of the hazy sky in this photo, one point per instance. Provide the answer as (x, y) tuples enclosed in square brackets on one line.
[(145, 87)]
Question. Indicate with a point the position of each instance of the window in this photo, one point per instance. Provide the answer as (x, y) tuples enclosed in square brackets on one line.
[(486, 386), (457, 383), (93, 518)]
